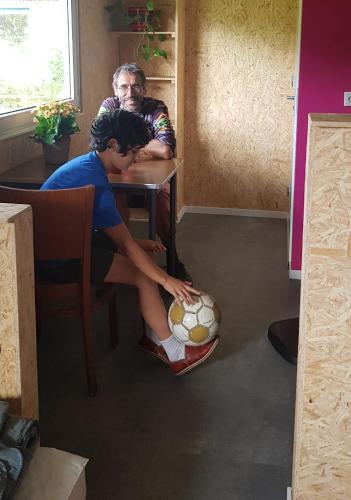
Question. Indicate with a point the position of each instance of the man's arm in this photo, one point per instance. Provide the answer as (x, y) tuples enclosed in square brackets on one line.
[(155, 149), (109, 104), (162, 144)]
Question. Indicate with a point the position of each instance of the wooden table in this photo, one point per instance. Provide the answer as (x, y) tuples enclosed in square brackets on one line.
[(147, 176)]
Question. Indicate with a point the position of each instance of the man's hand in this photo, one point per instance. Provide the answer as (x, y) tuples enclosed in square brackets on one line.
[(143, 155), (154, 149), (181, 290), (151, 246)]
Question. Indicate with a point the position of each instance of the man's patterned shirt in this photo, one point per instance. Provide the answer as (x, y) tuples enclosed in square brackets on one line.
[(155, 114)]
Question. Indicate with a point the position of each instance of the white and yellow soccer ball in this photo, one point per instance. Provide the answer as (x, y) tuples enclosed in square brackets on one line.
[(195, 324)]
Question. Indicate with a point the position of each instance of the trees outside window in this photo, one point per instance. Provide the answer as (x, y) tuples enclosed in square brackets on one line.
[(38, 46)]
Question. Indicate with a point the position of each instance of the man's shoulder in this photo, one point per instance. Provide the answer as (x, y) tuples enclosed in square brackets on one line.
[(150, 101), (150, 105), (110, 103)]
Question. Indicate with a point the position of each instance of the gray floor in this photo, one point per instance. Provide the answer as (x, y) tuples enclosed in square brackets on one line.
[(221, 432)]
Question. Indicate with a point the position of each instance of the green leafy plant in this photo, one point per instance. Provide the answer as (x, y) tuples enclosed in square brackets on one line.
[(143, 19), (152, 22), (54, 120)]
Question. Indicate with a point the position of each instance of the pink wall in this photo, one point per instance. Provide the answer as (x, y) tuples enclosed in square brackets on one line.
[(324, 75)]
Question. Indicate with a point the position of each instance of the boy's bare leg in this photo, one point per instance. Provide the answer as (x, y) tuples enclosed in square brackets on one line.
[(180, 358), (152, 307)]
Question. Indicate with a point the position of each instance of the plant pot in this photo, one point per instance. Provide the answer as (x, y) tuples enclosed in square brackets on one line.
[(142, 18), (137, 26), (57, 153)]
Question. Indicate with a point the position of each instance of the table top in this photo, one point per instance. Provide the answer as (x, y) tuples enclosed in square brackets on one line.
[(150, 174)]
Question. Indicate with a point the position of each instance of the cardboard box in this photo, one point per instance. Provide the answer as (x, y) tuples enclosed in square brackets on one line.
[(53, 474)]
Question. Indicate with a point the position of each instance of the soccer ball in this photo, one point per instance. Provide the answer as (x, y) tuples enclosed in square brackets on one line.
[(195, 324)]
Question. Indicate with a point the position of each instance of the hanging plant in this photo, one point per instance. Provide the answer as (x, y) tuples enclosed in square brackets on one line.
[(147, 20)]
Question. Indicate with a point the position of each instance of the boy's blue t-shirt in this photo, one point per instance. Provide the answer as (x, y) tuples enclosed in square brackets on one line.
[(82, 171)]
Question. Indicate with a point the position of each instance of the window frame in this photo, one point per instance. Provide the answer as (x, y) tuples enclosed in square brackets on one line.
[(21, 122)]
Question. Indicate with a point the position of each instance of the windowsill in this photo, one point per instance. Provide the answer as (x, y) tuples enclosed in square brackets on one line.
[(11, 134), (15, 124)]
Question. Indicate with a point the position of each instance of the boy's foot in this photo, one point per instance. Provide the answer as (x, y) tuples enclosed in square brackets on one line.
[(149, 346), (194, 356)]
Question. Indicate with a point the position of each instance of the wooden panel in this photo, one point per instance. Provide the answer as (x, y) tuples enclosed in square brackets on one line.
[(18, 360), (238, 122), (322, 460)]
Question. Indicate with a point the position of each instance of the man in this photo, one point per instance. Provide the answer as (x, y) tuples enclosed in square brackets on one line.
[(115, 139), (129, 85)]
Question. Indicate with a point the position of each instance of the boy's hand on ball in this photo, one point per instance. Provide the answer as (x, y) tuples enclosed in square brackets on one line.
[(181, 290)]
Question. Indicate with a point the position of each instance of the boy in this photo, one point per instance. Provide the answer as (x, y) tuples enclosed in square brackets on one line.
[(115, 138)]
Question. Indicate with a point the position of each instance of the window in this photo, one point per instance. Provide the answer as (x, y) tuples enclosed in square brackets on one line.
[(39, 59)]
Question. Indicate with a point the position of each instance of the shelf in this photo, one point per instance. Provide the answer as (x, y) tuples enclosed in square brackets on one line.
[(118, 34), (161, 78)]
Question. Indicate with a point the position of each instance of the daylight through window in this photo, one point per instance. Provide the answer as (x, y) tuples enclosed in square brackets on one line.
[(36, 46)]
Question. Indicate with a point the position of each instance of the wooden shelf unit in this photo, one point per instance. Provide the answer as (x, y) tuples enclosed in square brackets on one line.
[(165, 77), (161, 78), (118, 34)]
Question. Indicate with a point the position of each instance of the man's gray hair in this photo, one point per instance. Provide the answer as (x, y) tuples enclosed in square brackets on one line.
[(132, 68)]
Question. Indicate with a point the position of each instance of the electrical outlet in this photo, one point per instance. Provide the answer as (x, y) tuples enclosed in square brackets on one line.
[(347, 98)]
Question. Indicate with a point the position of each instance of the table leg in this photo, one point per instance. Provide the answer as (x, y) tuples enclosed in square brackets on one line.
[(152, 213), (172, 226)]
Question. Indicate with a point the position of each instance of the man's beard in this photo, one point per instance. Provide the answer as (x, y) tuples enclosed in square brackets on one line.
[(133, 104)]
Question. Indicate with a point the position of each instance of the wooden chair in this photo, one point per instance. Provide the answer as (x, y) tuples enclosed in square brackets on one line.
[(62, 229)]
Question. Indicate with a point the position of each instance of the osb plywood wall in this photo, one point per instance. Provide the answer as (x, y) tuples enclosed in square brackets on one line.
[(97, 56), (322, 461), (238, 121), (18, 355)]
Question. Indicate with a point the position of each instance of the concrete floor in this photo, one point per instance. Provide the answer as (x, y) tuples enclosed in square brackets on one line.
[(221, 432)]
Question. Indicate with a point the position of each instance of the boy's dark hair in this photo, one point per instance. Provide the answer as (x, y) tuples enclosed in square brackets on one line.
[(129, 130)]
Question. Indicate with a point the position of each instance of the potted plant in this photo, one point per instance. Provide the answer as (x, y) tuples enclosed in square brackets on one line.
[(55, 122), (147, 19)]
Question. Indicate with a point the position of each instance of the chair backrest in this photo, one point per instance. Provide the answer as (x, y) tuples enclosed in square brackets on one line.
[(62, 220)]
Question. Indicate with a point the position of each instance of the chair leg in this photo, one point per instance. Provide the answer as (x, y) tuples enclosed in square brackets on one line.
[(113, 320), (89, 353)]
